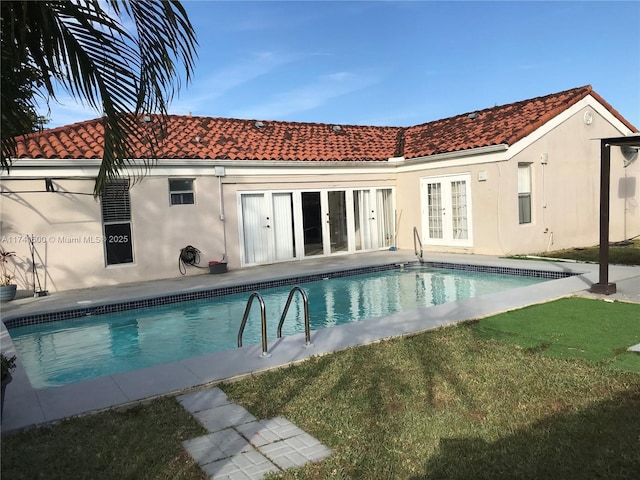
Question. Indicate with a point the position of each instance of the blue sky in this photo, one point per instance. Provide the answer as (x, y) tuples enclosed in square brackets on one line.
[(400, 63)]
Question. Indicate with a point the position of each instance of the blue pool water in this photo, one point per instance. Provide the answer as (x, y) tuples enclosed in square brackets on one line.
[(68, 351)]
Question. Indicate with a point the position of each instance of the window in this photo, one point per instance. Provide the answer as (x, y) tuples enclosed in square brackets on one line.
[(116, 222), (524, 192), (181, 191)]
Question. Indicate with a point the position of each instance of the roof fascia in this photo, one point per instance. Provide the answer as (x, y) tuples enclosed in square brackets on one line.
[(587, 101), (488, 154), (87, 168)]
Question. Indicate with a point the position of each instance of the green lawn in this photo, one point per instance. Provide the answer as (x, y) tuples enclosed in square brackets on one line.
[(572, 328), (482, 400), (142, 442), (618, 255)]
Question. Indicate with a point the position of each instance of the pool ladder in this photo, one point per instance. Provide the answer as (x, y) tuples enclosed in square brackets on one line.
[(263, 318), (416, 242)]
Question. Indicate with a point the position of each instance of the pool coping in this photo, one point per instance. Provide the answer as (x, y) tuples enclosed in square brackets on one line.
[(26, 406), (107, 307)]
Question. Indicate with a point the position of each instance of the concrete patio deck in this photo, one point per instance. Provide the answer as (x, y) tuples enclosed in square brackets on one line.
[(26, 406)]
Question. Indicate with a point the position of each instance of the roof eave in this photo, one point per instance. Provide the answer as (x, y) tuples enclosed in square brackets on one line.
[(502, 147)]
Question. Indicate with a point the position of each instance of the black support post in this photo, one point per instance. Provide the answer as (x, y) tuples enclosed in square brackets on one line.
[(603, 286)]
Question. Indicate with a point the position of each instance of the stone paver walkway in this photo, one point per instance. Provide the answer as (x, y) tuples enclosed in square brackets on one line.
[(238, 446)]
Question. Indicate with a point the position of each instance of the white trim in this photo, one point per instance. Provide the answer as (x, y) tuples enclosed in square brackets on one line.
[(447, 238), (586, 102), (459, 154)]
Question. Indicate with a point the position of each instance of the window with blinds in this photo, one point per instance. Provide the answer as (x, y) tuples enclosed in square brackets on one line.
[(116, 222), (116, 206), (524, 193)]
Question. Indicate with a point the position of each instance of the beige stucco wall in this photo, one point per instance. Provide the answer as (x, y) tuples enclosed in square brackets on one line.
[(68, 229), (68, 234), (565, 193)]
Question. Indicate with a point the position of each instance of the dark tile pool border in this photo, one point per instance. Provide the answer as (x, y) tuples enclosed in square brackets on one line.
[(520, 272), (91, 310)]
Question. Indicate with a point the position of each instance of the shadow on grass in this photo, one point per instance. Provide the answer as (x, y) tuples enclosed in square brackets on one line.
[(602, 441)]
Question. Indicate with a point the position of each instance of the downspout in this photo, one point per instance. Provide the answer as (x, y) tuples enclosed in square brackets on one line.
[(221, 173)]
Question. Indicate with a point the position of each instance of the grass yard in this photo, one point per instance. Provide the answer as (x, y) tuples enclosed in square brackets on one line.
[(572, 328), (618, 255), (482, 400), (142, 442)]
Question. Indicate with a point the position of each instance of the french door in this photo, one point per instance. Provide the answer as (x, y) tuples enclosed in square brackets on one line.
[(374, 219), (324, 222), (280, 226), (267, 227), (446, 210)]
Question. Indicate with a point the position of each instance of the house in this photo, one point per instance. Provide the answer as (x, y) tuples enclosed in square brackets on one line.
[(513, 179)]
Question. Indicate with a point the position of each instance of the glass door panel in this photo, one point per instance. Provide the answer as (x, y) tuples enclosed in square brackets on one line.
[(337, 218), (459, 230), (362, 222), (385, 218), (283, 228), (312, 223), (447, 210), (434, 209)]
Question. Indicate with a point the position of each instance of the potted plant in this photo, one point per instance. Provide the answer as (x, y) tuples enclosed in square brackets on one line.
[(7, 365), (7, 289)]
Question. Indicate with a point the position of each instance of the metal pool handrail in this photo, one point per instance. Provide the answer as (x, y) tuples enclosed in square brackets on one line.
[(263, 318), (305, 299), (416, 242)]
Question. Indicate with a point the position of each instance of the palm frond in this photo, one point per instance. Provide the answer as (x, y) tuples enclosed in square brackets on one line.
[(88, 51)]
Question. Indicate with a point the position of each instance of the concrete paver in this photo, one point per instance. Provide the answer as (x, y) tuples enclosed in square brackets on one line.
[(295, 451), (249, 465), (245, 448), (203, 400), (223, 416), (263, 432)]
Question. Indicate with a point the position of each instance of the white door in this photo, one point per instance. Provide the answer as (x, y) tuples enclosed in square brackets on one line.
[(446, 210), (374, 219), (283, 228), (267, 232), (364, 215)]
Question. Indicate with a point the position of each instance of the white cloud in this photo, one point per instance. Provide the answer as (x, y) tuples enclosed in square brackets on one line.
[(67, 110), (324, 89), (216, 84)]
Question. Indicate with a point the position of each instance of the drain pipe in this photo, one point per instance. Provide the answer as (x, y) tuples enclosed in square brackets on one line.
[(220, 172)]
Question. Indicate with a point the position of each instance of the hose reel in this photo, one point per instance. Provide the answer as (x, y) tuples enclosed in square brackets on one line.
[(189, 255)]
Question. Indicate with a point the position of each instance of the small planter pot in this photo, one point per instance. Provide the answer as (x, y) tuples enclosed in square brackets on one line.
[(217, 267), (7, 293), (5, 381)]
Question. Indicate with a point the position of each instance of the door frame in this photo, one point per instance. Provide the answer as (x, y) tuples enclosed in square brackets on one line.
[(446, 205), (298, 230)]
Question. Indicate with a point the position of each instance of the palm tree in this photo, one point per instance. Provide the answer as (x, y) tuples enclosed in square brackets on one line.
[(120, 57)]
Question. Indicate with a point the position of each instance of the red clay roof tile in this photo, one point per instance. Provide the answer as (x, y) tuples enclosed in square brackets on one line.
[(188, 137)]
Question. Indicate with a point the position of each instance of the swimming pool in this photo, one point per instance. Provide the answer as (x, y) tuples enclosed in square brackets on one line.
[(73, 350)]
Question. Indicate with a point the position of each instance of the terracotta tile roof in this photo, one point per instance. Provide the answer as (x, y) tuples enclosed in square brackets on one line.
[(189, 137), (504, 124), (225, 138)]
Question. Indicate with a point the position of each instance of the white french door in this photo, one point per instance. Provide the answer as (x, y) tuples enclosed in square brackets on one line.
[(446, 210), (374, 219), (281, 226), (267, 227)]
